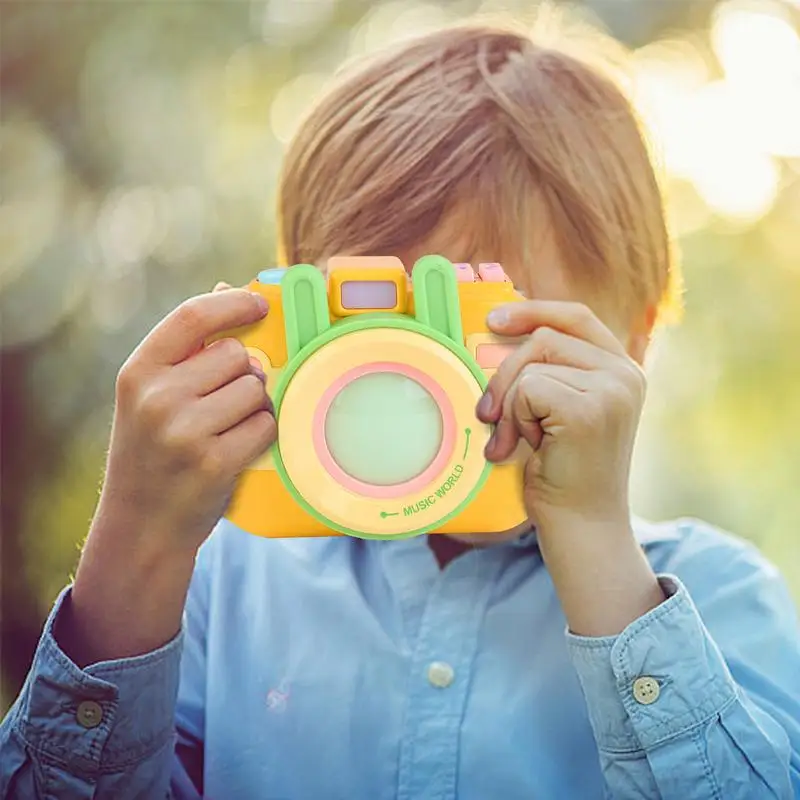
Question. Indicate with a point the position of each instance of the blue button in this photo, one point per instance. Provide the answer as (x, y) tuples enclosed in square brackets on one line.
[(272, 276)]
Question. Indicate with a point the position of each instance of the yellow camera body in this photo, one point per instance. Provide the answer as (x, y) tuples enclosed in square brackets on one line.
[(375, 375)]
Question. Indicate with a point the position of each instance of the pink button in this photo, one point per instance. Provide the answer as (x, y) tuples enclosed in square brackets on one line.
[(490, 356), (492, 273), (464, 273)]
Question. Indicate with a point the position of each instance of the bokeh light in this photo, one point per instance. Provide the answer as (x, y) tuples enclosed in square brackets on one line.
[(296, 21), (388, 23), (722, 134), (130, 225), (291, 102), (758, 48), (34, 190)]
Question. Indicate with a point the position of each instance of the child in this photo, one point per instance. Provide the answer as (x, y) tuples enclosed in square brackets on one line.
[(593, 655)]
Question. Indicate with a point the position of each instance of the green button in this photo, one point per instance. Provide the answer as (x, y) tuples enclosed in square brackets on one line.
[(90, 714), (383, 429)]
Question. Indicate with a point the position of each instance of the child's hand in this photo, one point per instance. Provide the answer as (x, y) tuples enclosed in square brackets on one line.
[(188, 419), (574, 394)]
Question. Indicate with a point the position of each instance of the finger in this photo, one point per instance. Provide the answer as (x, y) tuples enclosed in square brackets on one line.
[(222, 286), (214, 366), (576, 319), (547, 346), (245, 442), (228, 406), (184, 331), (534, 405)]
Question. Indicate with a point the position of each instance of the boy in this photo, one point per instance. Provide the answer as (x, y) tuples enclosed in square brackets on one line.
[(590, 656)]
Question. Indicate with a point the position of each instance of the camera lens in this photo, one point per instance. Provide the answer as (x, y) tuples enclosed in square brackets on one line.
[(384, 429)]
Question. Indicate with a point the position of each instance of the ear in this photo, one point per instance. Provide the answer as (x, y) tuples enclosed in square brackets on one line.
[(640, 335)]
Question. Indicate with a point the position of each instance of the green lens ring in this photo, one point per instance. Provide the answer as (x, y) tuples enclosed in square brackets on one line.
[(362, 323)]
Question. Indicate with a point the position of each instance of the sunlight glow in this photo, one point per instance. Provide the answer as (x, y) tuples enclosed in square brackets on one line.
[(724, 136), (760, 55)]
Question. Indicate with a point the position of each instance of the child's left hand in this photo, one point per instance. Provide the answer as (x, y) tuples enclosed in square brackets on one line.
[(575, 395)]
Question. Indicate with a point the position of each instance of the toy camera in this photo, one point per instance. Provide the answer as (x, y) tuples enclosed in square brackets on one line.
[(375, 375)]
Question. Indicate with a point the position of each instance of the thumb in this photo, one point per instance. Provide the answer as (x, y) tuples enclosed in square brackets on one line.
[(222, 286)]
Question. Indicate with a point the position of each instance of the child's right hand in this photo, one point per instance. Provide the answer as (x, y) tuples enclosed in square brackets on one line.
[(189, 418)]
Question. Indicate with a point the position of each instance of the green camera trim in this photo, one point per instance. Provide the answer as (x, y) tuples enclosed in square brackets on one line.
[(436, 301), (304, 295), (308, 328)]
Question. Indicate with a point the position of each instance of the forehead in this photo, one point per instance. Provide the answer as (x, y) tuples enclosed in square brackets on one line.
[(532, 258)]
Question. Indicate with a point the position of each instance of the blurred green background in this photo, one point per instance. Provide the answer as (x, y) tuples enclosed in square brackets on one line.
[(139, 149)]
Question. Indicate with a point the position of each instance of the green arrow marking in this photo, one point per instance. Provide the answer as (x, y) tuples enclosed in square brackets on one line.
[(468, 432), (385, 514)]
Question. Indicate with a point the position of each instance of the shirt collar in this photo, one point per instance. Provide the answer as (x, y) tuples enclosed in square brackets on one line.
[(646, 533)]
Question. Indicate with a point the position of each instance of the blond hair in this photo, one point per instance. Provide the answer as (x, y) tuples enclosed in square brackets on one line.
[(486, 120)]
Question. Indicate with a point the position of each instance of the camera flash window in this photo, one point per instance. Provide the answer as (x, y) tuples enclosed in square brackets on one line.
[(369, 295)]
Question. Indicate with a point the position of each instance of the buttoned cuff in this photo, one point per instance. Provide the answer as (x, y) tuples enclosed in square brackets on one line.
[(105, 717), (661, 677)]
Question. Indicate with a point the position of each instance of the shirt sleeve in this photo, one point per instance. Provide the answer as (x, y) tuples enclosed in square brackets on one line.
[(697, 698), (110, 730), (103, 731)]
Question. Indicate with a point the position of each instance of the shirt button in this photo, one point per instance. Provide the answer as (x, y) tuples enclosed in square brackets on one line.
[(440, 674), (90, 714), (646, 690)]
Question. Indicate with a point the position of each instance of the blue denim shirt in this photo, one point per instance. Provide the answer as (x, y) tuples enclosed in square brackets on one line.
[(327, 669)]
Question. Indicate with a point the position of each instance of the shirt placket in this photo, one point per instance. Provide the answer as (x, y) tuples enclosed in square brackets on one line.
[(441, 659)]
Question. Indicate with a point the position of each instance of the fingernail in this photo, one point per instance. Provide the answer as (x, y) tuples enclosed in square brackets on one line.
[(485, 405), (262, 302), (498, 316)]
